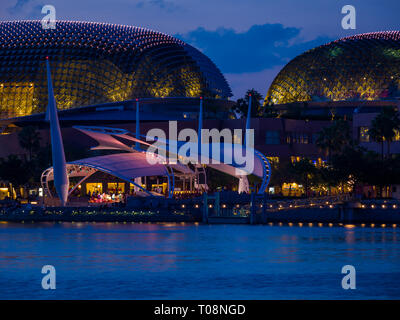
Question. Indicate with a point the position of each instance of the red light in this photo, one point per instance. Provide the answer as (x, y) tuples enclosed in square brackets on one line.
[(137, 99), (249, 94), (47, 58), (201, 98)]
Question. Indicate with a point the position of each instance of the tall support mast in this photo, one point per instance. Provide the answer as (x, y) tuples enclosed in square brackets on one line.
[(61, 182)]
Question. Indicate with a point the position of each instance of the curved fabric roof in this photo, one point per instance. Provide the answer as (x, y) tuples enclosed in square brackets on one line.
[(225, 157), (126, 166)]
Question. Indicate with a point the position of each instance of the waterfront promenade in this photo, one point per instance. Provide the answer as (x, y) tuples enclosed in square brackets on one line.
[(221, 208)]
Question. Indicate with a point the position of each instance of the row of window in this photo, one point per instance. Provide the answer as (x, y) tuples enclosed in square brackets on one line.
[(318, 162), (363, 135), (274, 137)]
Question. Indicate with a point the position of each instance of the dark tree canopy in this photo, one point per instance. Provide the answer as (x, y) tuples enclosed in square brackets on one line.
[(242, 105)]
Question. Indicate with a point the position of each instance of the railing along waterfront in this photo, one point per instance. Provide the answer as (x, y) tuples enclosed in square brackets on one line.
[(220, 207)]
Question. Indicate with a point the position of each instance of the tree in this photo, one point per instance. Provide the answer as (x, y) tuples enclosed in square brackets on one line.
[(242, 105), (305, 173), (29, 139), (384, 128), (348, 167), (334, 138), (14, 170)]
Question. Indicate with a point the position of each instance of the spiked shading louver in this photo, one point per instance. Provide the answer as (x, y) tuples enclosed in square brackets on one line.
[(360, 67), (96, 63)]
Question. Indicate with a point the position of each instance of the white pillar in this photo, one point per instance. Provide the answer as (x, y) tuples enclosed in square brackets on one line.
[(243, 185), (138, 181)]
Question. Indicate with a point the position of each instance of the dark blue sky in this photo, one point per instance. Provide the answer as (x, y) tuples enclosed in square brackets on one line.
[(249, 40)]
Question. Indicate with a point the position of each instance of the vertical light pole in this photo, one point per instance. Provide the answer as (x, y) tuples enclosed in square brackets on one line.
[(200, 127), (243, 181), (61, 182), (248, 119), (137, 147)]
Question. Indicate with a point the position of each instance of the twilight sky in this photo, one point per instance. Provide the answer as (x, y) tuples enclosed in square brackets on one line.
[(249, 40)]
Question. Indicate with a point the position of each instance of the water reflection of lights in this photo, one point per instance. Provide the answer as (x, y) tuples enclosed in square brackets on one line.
[(169, 225)]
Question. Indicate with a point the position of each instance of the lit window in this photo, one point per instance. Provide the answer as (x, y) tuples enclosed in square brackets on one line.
[(363, 134), (297, 137), (294, 159), (396, 135)]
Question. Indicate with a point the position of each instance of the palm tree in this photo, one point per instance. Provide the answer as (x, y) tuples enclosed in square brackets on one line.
[(241, 106), (304, 172), (334, 138), (14, 170), (384, 128), (29, 139)]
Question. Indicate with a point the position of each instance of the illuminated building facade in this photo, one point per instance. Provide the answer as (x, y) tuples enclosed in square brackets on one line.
[(99, 70), (98, 63), (363, 67)]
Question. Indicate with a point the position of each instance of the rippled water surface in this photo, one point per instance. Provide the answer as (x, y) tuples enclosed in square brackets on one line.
[(187, 261)]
